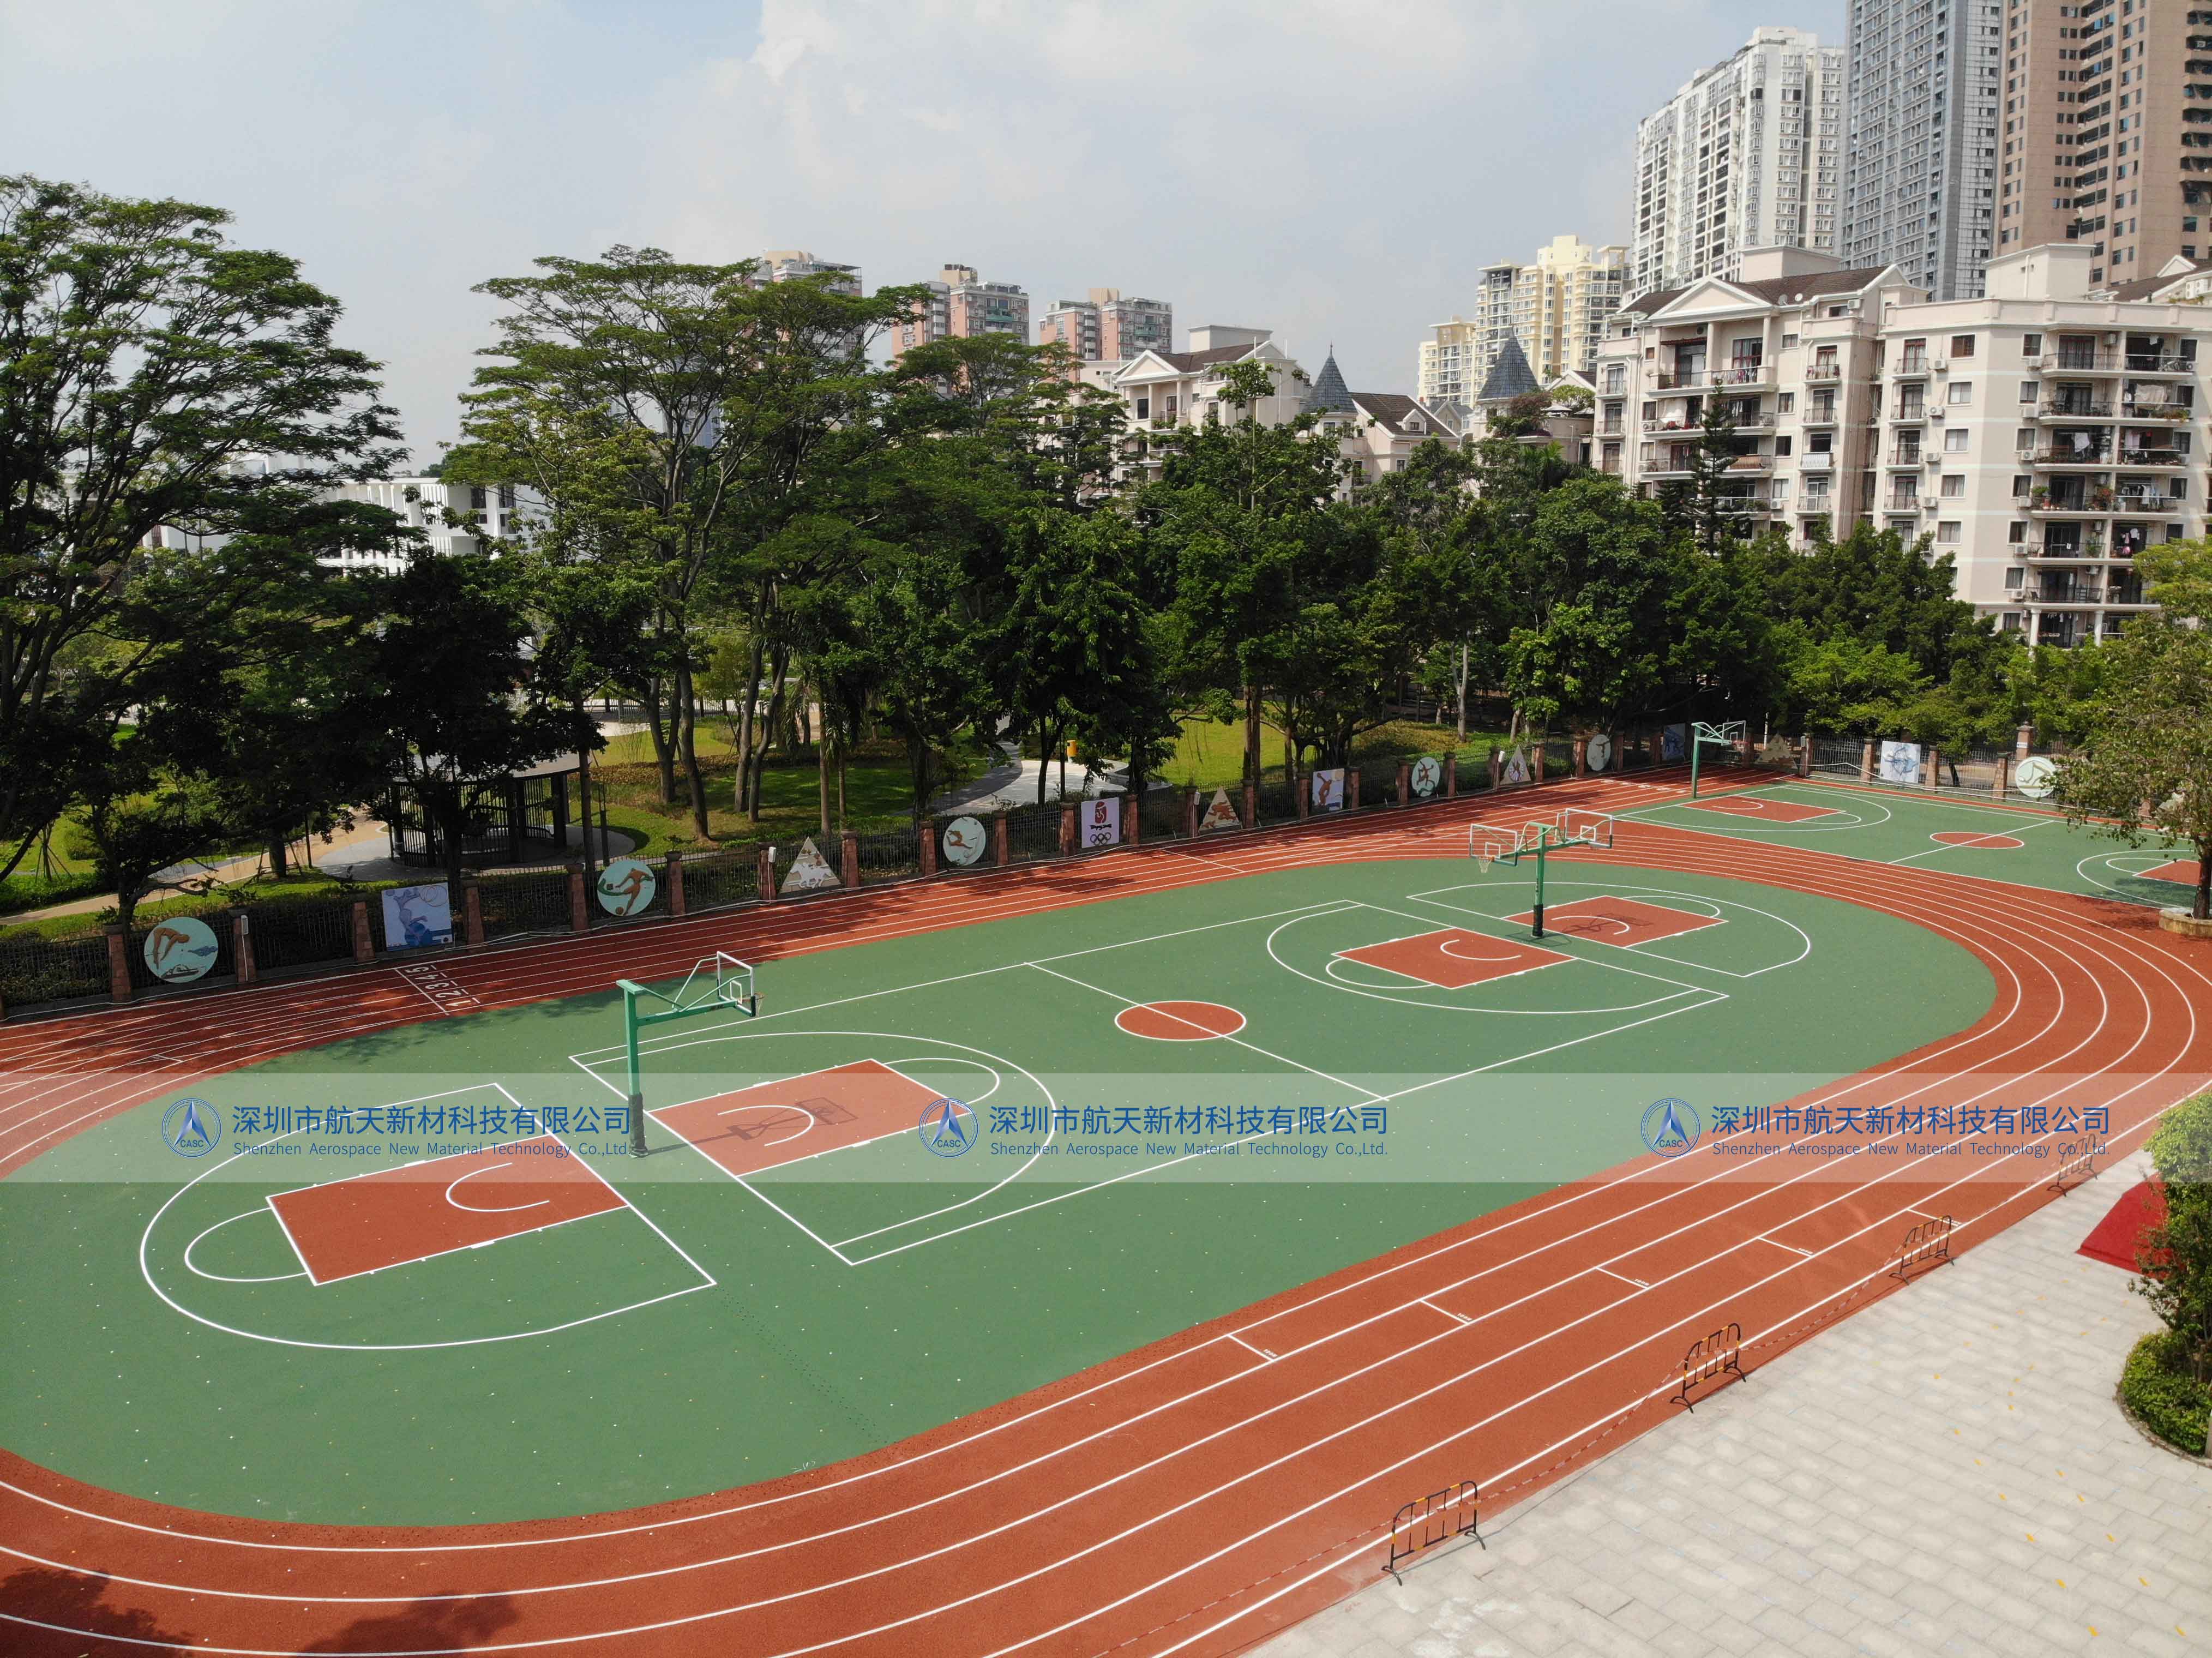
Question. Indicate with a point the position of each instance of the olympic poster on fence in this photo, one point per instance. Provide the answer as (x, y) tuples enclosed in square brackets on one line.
[(1426, 777), (1517, 767), (810, 870), (418, 917), (1900, 763), (1674, 741), (1597, 751), (1102, 822), (1327, 789), (1220, 815)]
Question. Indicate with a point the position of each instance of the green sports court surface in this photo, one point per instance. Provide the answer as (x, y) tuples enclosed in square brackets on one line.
[(1959, 836), (1161, 1108)]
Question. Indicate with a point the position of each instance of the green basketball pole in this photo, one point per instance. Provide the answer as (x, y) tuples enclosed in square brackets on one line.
[(1540, 839), (632, 1019), (1697, 750)]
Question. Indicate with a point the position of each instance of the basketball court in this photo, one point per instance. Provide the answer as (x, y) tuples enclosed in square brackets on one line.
[(1278, 1182)]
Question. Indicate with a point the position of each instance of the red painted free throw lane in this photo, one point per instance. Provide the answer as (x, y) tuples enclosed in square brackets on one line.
[(1453, 958), (344, 1228), (1195, 1496)]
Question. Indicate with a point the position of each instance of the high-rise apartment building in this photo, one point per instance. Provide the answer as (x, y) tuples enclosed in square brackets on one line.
[(1920, 176), (1108, 327), (1749, 154), (1556, 307), (2107, 132), (783, 264), (960, 305)]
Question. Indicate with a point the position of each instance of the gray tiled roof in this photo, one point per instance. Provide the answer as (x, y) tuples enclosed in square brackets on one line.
[(1509, 375), (1329, 395)]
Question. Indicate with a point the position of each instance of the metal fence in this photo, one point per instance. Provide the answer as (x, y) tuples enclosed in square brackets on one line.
[(1032, 834), (888, 855), (300, 934), (532, 901), (721, 879), (33, 970)]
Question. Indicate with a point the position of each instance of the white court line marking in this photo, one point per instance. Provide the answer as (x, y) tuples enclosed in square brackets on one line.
[(1446, 1311), (1793, 1248), (1115, 995), (1623, 1277), (1261, 1353), (479, 1209), (146, 1271), (2014, 830), (1806, 939), (227, 1277)]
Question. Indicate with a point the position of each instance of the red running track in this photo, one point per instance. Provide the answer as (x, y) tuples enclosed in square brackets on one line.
[(1189, 1499)]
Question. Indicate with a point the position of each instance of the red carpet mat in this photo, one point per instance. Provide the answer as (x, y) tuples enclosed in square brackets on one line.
[(2142, 1206)]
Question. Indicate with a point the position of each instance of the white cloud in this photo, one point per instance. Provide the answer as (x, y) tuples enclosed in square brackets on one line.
[(1337, 172)]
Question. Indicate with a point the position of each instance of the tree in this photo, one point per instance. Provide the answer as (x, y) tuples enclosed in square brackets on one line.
[(1234, 507), (2145, 768), (139, 816), (1708, 506), (151, 374), (452, 665), (1605, 565), (678, 417), (2177, 1254)]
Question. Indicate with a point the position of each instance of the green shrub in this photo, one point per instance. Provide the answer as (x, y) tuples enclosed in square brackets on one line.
[(2180, 1289), (2165, 1398)]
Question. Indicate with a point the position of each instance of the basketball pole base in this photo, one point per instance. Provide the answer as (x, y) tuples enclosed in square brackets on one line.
[(637, 1125), (1540, 921)]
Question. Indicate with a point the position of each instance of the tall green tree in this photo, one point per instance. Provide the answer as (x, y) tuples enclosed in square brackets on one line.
[(151, 374), (679, 417), (453, 662), (2145, 766), (1234, 510)]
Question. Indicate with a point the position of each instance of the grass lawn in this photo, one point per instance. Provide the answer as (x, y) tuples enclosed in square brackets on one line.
[(1210, 753)]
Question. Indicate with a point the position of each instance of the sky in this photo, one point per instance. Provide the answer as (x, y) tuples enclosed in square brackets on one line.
[(1336, 171)]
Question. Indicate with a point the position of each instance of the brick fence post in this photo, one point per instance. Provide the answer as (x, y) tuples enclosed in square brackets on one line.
[(2022, 741), (1133, 816), (1496, 767), (1190, 813), (1404, 784), (676, 906), (1451, 776), (1066, 830), (241, 947), (472, 933), (1805, 754), (119, 960), (364, 941), (1251, 805), (580, 917), (998, 841), (764, 872), (1352, 788), (1582, 754), (1300, 797), (925, 847), (851, 848), (1866, 761), (1935, 768)]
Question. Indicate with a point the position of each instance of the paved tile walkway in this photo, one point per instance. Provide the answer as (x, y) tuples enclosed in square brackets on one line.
[(1944, 1473)]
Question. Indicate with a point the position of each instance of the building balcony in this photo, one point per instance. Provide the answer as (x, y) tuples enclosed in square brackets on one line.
[(1822, 460), (1741, 373), (1821, 373), (1911, 367), (2162, 411), (2074, 409), (1912, 457), (2157, 362), (2148, 459), (1664, 471), (2154, 503), (2061, 456), (2091, 550), (1910, 416), (2079, 362), (1818, 415), (2070, 507)]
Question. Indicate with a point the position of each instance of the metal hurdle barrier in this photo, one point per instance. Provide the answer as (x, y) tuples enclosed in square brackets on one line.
[(1928, 1244), (1425, 1522), (1711, 1359)]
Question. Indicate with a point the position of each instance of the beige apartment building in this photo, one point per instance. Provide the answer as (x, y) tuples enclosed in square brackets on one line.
[(1747, 153), (2046, 433), (1556, 307), (1109, 327), (2107, 132), (2042, 434), (960, 305), (1161, 390), (1790, 348)]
